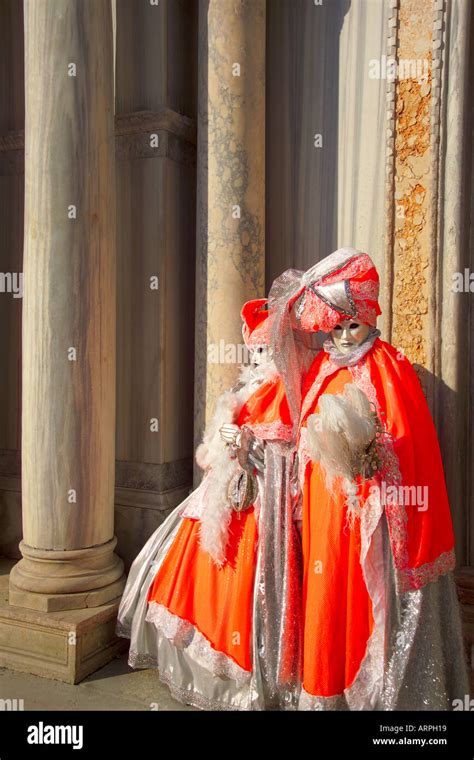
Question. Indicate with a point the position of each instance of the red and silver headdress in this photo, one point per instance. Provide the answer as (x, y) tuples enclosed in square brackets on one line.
[(349, 292), (344, 285)]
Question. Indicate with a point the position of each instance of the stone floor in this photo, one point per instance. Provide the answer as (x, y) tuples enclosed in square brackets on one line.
[(113, 687)]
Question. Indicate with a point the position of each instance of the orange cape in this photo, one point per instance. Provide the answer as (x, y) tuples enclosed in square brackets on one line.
[(421, 534)]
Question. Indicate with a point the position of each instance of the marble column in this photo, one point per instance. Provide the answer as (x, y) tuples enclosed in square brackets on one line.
[(68, 382), (231, 189)]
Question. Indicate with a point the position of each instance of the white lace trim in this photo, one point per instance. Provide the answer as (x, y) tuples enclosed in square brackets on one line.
[(184, 635), (412, 578), (271, 431)]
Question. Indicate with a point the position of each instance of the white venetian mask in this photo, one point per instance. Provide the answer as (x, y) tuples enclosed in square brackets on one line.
[(348, 334)]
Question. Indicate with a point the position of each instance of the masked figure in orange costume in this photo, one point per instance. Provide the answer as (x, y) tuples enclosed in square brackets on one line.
[(213, 598), (380, 613)]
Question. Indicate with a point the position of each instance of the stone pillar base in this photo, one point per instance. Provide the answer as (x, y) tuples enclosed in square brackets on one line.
[(50, 580), (66, 646), (18, 597)]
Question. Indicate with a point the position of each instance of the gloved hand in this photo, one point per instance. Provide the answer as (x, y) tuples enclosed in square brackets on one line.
[(230, 434)]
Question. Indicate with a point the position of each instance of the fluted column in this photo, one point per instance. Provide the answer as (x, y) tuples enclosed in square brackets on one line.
[(231, 188), (68, 401)]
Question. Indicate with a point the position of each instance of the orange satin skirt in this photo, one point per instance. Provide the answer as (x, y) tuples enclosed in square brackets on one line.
[(337, 610), (216, 600)]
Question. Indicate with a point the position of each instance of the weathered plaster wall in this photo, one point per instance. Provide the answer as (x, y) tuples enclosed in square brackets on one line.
[(412, 275)]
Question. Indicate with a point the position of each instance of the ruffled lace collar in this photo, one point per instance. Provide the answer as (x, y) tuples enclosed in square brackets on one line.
[(354, 356)]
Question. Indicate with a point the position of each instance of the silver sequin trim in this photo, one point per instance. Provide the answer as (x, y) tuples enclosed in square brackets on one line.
[(184, 635), (185, 696)]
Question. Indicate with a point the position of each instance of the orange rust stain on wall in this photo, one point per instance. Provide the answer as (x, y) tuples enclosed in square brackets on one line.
[(413, 118), (412, 179), (412, 144), (410, 301)]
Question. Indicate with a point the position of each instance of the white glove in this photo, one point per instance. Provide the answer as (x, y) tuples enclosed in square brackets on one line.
[(230, 434)]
